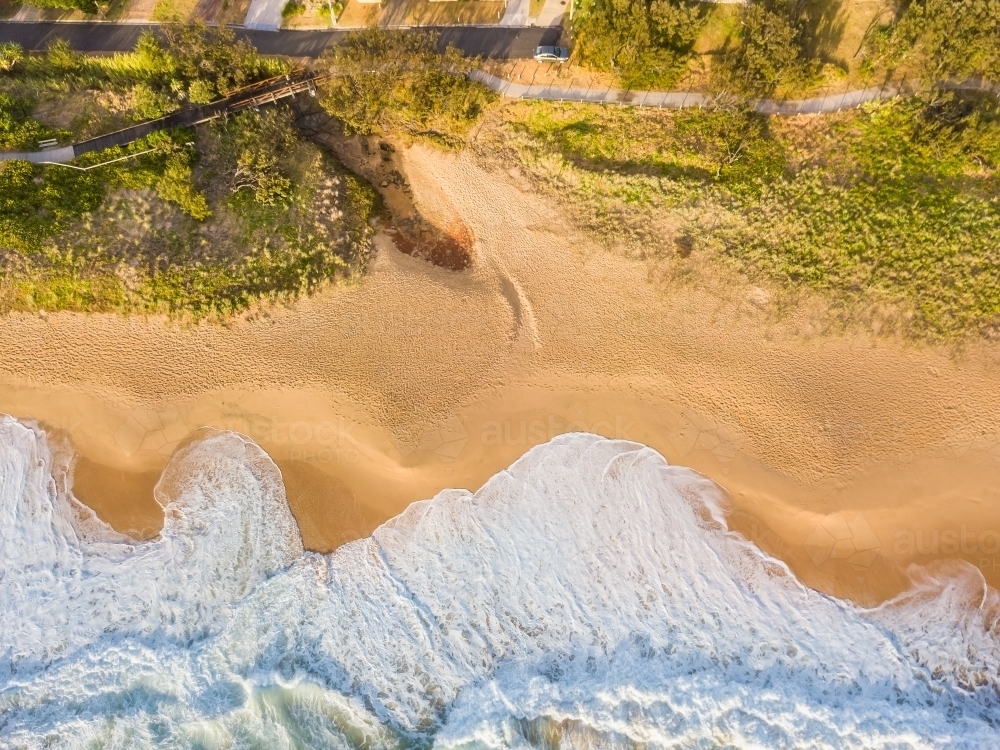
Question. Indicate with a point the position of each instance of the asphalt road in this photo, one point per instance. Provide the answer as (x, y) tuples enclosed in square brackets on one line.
[(487, 41)]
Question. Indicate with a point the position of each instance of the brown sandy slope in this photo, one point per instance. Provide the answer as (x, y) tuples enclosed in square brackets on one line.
[(847, 456)]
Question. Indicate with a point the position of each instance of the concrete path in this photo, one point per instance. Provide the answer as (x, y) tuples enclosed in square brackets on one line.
[(264, 15), (516, 13), (678, 99), (552, 13), (57, 155)]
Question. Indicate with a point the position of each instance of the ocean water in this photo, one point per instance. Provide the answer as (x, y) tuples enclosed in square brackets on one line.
[(589, 596)]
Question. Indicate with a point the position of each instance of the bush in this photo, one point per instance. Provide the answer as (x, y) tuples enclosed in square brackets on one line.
[(948, 39), (148, 104), (292, 9), (18, 132), (175, 186), (397, 80), (87, 6), (11, 55), (770, 52), (645, 42), (62, 59), (251, 146)]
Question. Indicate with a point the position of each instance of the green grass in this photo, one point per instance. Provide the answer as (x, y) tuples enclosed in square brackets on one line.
[(895, 204)]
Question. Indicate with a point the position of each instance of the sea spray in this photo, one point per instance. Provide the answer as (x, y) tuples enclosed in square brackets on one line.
[(588, 596)]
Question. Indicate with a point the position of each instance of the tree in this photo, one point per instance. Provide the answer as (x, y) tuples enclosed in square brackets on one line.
[(387, 80), (203, 63), (252, 145), (948, 39), (645, 42), (770, 51)]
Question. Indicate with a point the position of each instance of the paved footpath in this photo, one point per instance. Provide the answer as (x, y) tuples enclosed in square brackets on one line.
[(264, 15), (678, 99), (486, 41)]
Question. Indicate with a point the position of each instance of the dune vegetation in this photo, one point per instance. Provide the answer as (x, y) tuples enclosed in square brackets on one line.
[(896, 204), (202, 223)]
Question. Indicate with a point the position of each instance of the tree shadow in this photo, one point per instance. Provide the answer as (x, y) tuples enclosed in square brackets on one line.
[(823, 25)]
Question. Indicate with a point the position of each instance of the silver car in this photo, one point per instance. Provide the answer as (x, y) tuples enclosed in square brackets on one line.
[(551, 54)]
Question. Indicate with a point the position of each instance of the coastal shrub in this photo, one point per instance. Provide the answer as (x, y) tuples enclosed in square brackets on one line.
[(770, 51), (18, 131), (62, 59), (944, 39), (148, 104), (175, 185), (252, 146), (11, 55), (646, 43), (385, 80)]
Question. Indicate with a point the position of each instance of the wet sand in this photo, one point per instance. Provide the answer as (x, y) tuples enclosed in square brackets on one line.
[(847, 456)]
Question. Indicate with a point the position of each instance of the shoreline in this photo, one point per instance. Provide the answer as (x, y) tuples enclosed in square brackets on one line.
[(847, 456), (851, 536)]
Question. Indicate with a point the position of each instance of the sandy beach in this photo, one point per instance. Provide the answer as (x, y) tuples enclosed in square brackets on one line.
[(848, 456)]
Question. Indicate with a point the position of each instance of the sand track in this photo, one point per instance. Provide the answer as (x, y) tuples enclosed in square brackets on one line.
[(835, 449)]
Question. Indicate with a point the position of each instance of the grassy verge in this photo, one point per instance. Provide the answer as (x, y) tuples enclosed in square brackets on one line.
[(894, 205)]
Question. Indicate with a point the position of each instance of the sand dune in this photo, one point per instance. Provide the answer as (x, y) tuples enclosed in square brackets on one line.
[(848, 456)]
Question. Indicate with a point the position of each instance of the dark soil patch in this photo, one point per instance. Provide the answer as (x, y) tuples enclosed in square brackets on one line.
[(448, 249)]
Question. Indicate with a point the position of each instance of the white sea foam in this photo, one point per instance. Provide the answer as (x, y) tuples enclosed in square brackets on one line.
[(589, 596)]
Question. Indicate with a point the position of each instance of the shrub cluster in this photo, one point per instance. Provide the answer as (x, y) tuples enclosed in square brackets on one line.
[(771, 50), (945, 39), (387, 80), (645, 42)]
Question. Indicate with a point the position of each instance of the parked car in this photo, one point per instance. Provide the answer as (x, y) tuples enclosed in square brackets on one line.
[(551, 54)]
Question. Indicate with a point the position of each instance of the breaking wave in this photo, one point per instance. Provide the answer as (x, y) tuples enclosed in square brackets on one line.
[(588, 596)]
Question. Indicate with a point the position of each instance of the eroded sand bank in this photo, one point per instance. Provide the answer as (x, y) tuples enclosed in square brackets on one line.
[(847, 456)]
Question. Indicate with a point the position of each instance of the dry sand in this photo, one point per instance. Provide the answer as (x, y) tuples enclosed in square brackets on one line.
[(847, 456)]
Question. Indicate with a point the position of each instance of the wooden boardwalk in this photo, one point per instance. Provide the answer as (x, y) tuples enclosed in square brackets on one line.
[(265, 92)]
